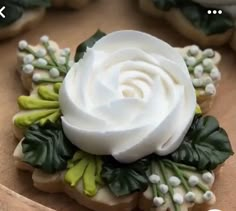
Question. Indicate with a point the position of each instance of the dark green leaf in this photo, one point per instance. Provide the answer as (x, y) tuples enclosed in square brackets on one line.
[(205, 146), (47, 148), (124, 179), (81, 49), (198, 16)]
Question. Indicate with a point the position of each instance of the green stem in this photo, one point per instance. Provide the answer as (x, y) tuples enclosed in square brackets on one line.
[(51, 62), (43, 67), (49, 67), (62, 69), (182, 166), (200, 60), (67, 61), (202, 187), (49, 80), (51, 54), (180, 175), (31, 51), (171, 191), (185, 176), (155, 188)]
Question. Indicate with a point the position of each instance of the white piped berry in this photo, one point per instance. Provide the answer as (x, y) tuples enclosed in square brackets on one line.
[(28, 59), (71, 63), (194, 50), (54, 72), (198, 71), (197, 82), (163, 188), (36, 77), (154, 178), (207, 63), (178, 198), (61, 60), (190, 197), (44, 39), (191, 61), (42, 62), (206, 80), (51, 49), (208, 53), (193, 180), (28, 68), (23, 45), (215, 74), (207, 196), (158, 201), (208, 178), (66, 51), (41, 52), (210, 89), (174, 181)]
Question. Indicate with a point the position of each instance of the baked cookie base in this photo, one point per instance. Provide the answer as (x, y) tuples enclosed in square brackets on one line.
[(102, 201)]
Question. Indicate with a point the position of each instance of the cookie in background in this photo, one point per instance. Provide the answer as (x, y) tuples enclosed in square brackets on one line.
[(23, 15), (207, 23)]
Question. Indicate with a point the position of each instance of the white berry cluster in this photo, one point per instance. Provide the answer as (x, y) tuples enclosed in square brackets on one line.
[(56, 62), (204, 72), (186, 181)]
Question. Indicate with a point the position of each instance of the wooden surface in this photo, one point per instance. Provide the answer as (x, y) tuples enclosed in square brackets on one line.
[(71, 27), (7, 197)]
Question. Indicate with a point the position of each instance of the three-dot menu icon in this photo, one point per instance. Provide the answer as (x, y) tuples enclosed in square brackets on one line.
[(214, 12)]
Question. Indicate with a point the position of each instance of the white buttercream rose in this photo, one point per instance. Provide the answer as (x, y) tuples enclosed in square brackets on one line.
[(131, 95)]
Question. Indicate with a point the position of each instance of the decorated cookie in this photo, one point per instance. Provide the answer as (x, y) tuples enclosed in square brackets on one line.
[(21, 15), (119, 127), (208, 23), (24, 14)]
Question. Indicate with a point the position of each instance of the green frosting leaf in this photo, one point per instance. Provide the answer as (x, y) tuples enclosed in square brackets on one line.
[(47, 148), (205, 146), (124, 179), (16, 8), (198, 16), (29, 103), (41, 116), (47, 94), (87, 167), (81, 49), (39, 108)]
